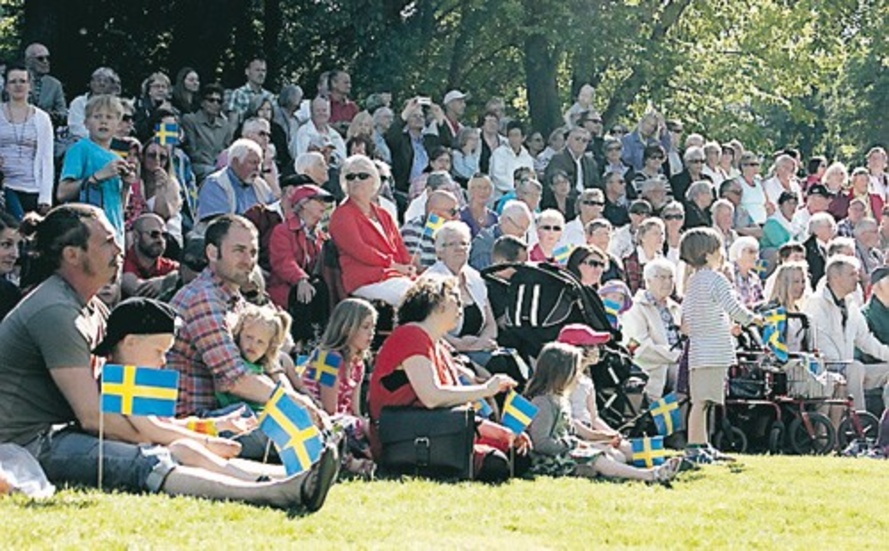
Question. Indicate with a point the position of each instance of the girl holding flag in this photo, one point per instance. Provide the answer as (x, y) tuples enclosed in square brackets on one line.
[(557, 450)]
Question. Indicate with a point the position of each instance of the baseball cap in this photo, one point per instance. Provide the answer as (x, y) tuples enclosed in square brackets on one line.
[(578, 334), (454, 95), (820, 189), (877, 275), (320, 141), (787, 196), (137, 316), (309, 191)]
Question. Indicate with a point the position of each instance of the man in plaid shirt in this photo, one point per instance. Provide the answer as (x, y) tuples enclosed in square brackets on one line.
[(240, 98), (205, 351)]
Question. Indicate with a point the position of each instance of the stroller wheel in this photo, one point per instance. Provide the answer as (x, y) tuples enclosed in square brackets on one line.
[(732, 440), (776, 437), (820, 442), (846, 433)]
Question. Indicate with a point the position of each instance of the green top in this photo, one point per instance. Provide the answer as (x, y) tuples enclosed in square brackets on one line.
[(225, 399)]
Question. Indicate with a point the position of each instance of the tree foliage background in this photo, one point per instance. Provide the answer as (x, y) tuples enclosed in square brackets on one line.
[(807, 73)]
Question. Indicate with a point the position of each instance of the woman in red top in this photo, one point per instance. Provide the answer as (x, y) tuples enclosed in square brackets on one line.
[(294, 253), (414, 368), (373, 259)]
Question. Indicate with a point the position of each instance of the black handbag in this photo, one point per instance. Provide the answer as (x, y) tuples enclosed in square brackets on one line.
[(433, 443)]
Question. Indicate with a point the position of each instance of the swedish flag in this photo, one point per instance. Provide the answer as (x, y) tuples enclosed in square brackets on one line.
[(517, 412), (323, 366), (562, 254), (612, 312), (665, 413), (762, 268), (166, 133), (648, 451), (773, 332), (131, 390), (481, 407), (119, 147), (289, 426), (433, 223)]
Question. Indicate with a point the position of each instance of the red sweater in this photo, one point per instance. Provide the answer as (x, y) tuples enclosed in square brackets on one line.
[(292, 257), (366, 254)]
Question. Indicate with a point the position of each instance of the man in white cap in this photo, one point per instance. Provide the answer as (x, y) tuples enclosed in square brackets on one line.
[(449, 126)]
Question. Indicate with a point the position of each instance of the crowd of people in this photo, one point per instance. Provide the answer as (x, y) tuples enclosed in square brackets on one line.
[(274, 224)]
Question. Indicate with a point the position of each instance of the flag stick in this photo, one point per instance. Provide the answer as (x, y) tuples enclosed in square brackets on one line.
[(268, 449), (101, 441)]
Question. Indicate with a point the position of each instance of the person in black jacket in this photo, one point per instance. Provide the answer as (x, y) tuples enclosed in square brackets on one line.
[(822, 228)]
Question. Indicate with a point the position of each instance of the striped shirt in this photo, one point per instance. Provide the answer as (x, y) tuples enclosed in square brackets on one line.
[(417, 240), (709, 306)]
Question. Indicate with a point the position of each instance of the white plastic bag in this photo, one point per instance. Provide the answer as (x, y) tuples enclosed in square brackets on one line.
[(22, 472)]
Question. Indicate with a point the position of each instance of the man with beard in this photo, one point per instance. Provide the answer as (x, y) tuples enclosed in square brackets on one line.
[(146, 272), (236, 187)]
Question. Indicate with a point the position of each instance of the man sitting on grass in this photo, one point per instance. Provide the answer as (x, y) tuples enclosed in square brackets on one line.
[(49, 396)]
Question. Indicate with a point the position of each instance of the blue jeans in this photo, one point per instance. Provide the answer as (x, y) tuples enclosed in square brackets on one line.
[(70, 456), (18, 203)]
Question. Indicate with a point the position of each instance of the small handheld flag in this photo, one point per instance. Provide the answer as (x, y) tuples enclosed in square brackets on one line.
[(648, 451), (518, 413), (433, 223), (666, 416), (131, 390), (166, 133), (302, 362), (562, 254), (612, 310), (289, 426), (762, 268), (119, 147), (773, 332), (323, 366), (480, 406)]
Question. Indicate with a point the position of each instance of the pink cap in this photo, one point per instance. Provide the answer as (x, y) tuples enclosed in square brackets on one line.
[(578, 334)]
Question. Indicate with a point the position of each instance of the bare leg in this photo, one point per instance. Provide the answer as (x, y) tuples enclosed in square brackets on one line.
[(196, 482), (697, 424), (192, 454), (606, 466)]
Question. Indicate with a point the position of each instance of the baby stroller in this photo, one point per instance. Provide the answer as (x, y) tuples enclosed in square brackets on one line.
[(541, 300)]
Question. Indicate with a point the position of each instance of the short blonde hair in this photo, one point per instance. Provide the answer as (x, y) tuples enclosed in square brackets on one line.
[(104, 102)]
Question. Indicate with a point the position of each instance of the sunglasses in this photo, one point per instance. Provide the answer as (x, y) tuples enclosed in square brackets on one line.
[(352, 176), (551, 228), (657, 158), (673, 217), (593, 263), (695, 161), (750, 164), (154, 234), (42, 58), (593, 203), (213, 100)]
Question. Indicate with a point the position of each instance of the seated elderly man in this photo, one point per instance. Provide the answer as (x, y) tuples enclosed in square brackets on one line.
[(418, 236), (476, 331), (840, 328), (698, 199), (623, 241), (867, 248), (515, 219), (742, 222), (236, 187), (589, 207), (822, 228), (651, 328), (655, 191)]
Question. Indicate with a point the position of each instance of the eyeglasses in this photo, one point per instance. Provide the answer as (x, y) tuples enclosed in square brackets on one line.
[(734, 191), (593, 203), (457, 244), (551, 228), (581, 139), (352, 176), (750, 164), (42, 57), (213, 100), (160, 156), (695, 161), (264, 134), (592, 263), (657, 157), (674, 216), (154, 234)]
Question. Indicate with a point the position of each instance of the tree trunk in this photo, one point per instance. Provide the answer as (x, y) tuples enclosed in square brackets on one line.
[(272, 25), (540, 81)]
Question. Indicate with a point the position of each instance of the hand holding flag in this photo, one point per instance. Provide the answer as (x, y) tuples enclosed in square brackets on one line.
[(562, 254), (131, 390), (665, 414), (290, 427), (518, 412), (648, 452), (323, 366)]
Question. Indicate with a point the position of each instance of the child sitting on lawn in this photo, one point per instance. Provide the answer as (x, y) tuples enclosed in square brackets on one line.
[(557, 450), (140, 331), (706, 311), (260, 333), (349, 334)]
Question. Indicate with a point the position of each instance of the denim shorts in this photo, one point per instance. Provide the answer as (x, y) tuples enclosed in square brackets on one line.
[(70, 456)]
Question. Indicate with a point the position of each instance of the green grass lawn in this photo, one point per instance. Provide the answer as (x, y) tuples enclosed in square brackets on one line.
[(760, 502)]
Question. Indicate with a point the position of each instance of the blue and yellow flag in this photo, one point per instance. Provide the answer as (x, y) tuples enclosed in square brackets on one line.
[(166, 133), (323, 366), (773, 332), (302, 361), (666, 416), (762, 268), (517, 413), (289, 426), (648, 452), (119, 147), (433, 223), (612, 312), (481, 407), (562, 254), (131, 390)]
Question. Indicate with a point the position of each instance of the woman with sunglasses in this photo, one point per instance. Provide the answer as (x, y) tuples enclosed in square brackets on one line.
[(649, 245), (550, 224), (26, 148), (651, 328), (589, 206), (673, 216), (560, 196), (374, 261), (588, 263), (161, 189)]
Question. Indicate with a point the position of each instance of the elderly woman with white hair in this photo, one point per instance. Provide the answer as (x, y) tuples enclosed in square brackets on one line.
[(651, 328), (550, 225), (374, 261), (723, 214), (476, 331), (744, 254), (649, 245)]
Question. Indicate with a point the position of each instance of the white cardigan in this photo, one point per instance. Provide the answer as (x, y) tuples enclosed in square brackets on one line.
[(830, 339), (474, 284), (44, 171), (642, 323)]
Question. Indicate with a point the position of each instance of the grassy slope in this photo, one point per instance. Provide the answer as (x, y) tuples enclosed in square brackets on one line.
[(764, 502)]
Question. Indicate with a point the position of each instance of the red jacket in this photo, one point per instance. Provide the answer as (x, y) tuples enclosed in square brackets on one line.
[(366, 254), (292, 257)]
